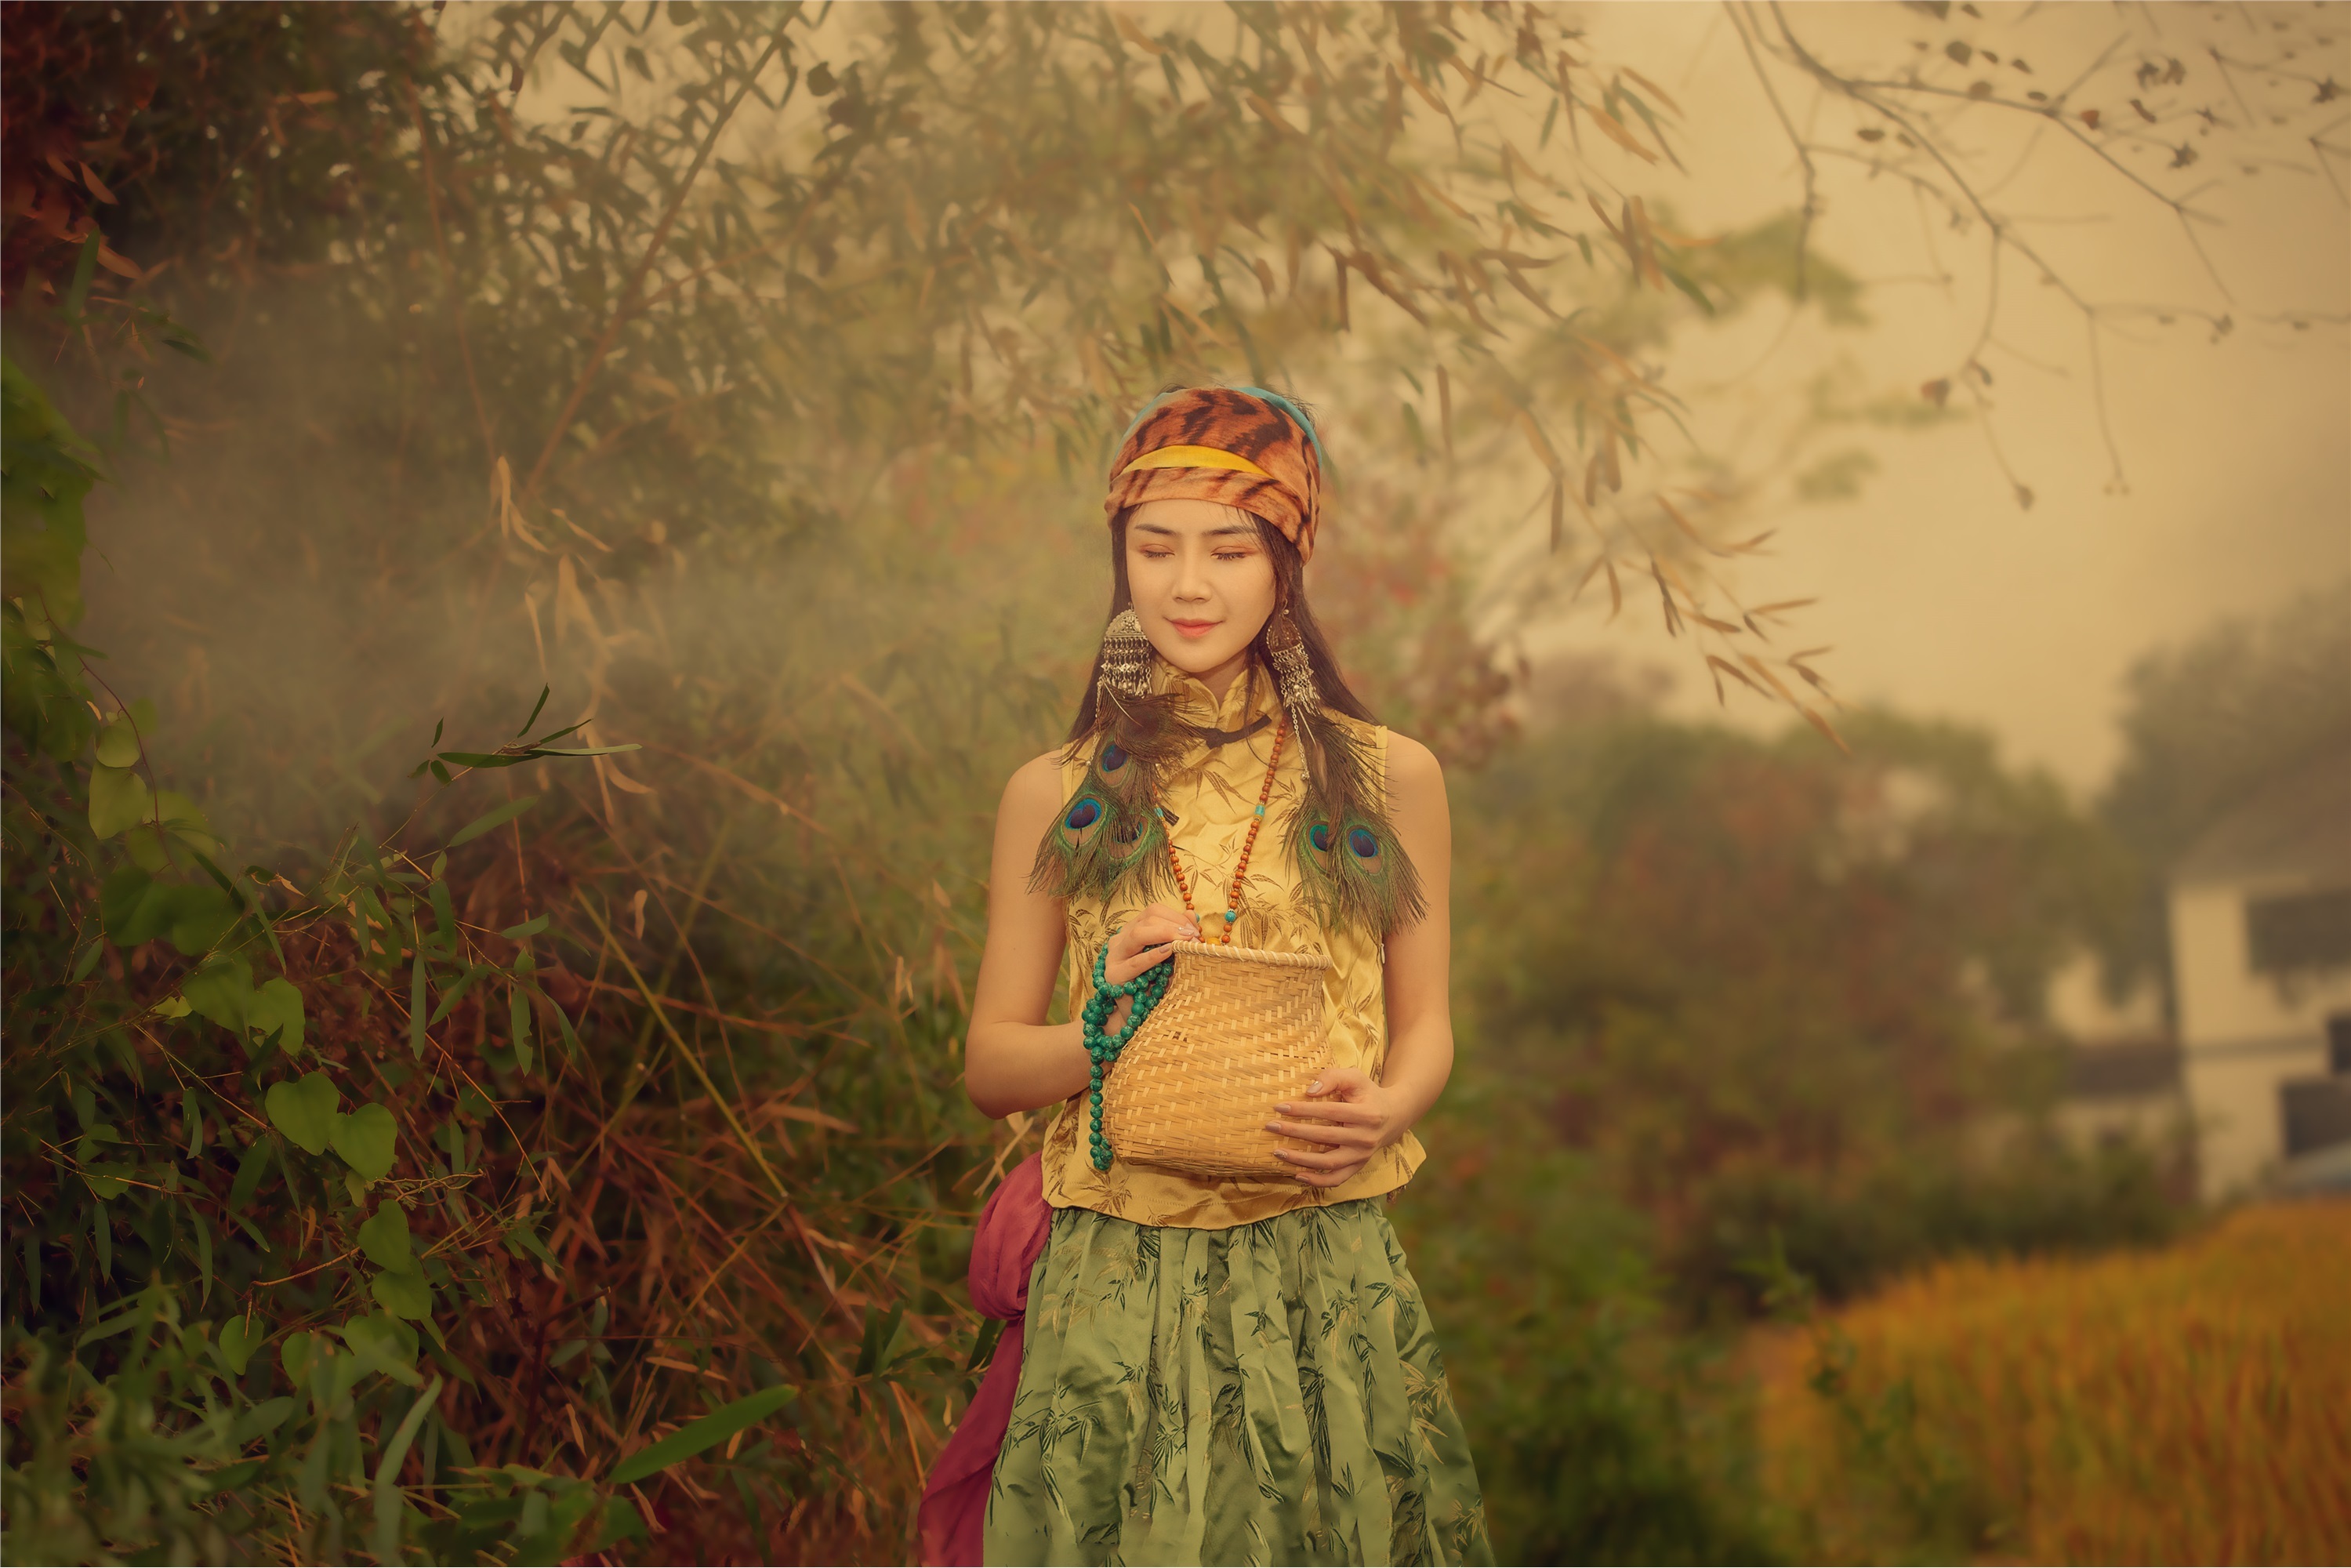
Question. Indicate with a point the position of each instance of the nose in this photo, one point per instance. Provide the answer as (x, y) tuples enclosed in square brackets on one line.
[(1192, 577)]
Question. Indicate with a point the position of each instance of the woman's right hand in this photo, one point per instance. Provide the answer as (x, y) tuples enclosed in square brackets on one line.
[(1144, 941)]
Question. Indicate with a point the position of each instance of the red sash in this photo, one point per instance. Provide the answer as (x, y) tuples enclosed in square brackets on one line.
[(952, 1519)]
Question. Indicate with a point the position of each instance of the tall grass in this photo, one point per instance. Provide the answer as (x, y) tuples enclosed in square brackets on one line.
[(2189, 1406)]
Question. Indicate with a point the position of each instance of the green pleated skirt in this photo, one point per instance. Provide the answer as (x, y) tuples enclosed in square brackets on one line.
[(1269, 1393)]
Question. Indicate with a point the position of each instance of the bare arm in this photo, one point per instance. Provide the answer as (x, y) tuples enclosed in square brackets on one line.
[(1349, 1113), (1014, 1059)]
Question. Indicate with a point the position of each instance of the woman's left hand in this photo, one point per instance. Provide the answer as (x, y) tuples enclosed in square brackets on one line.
[(1346, 1112)]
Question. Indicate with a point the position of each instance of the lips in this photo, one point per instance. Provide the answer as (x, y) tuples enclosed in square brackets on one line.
[(1195, 628)]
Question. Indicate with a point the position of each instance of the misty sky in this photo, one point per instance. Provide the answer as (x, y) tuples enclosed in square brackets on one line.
[(1938, 592)]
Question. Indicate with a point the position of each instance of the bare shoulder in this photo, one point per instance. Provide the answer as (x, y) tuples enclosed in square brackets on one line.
[(1413, 768), (1034, 790)]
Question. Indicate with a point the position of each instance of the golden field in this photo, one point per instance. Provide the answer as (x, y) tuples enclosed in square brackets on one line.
[(2187, 1406)]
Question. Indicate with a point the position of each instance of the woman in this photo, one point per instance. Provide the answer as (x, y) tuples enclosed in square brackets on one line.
[(1222, 1371)]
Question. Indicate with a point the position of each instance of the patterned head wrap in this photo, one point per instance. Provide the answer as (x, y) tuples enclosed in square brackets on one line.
[(1239, 446)]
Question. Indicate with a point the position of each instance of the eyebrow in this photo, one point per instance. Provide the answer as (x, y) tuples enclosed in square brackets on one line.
[(1229, 529)]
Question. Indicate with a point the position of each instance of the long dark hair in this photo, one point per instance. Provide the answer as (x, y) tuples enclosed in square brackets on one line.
[(1289, 593)]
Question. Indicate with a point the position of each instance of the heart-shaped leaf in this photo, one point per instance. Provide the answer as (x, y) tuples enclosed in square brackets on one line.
[(200, 916), (119, 798), (364, 1139), (277, 1008), (296, 1354), (384, 1239), (304, 1112), (403, 1295), (239, 1338), (223, 993), (118, 745)]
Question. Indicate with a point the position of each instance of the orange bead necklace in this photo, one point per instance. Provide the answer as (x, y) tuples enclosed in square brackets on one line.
[(1233, 895)]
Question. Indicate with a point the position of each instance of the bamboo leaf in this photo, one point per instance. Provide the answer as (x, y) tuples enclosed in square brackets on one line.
[(454, 994), (534, 710), (695, 1436), (416, 1006), (248, 1175), (489, 820), (385, 1538), (1613, 129)]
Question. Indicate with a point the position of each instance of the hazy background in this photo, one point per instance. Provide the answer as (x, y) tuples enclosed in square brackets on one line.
[(743, 377), (1940, 594)]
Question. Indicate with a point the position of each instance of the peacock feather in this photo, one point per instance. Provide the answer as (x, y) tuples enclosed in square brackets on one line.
[(1350, 865), (1109, 834), (1111, 837), (1349, 862)]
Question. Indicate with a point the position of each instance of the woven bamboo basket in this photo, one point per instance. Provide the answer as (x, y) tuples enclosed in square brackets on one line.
[(1239, 1031)]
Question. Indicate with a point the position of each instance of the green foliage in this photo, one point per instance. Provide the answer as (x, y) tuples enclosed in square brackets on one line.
[(733, 313), (2212, 719), (1836, 478), (1767, 256), (502, 1147), (2210, 722), (1845, 1236), (695, 1436), (136, 1092), (1913, 1472), (1766, 986), (1601, 1436)]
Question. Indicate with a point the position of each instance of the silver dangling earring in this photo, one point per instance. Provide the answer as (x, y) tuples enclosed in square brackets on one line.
[(1293, 671), (1125, 658)]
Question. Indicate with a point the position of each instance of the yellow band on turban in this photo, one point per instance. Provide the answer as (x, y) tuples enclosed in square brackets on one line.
[(1195, 457)]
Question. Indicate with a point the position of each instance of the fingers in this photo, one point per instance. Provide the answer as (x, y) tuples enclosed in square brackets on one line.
[(1319, 1133), (1145, 941), (1157, 927), (1120, 971), (1338, 1174), (1337, 1113), (1339, 1083), (1153, 929)]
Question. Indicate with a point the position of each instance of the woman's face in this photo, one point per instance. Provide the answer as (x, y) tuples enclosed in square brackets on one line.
[(1202, 581)]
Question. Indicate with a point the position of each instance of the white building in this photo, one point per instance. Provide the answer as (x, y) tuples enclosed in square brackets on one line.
[(2261, 945)]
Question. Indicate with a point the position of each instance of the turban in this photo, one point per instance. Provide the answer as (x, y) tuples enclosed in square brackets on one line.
[(1239, 446)]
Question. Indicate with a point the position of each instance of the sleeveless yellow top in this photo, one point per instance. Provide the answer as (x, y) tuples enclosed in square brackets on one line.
[(1213, 794)]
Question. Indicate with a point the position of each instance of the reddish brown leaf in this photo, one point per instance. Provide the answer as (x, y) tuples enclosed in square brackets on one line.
[(1615, 131), (1660, 94)]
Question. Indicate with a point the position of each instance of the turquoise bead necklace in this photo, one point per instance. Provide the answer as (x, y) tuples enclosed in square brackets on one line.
[(1102, 1045)]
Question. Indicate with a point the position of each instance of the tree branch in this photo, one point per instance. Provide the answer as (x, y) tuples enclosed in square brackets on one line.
[(626, 309)]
